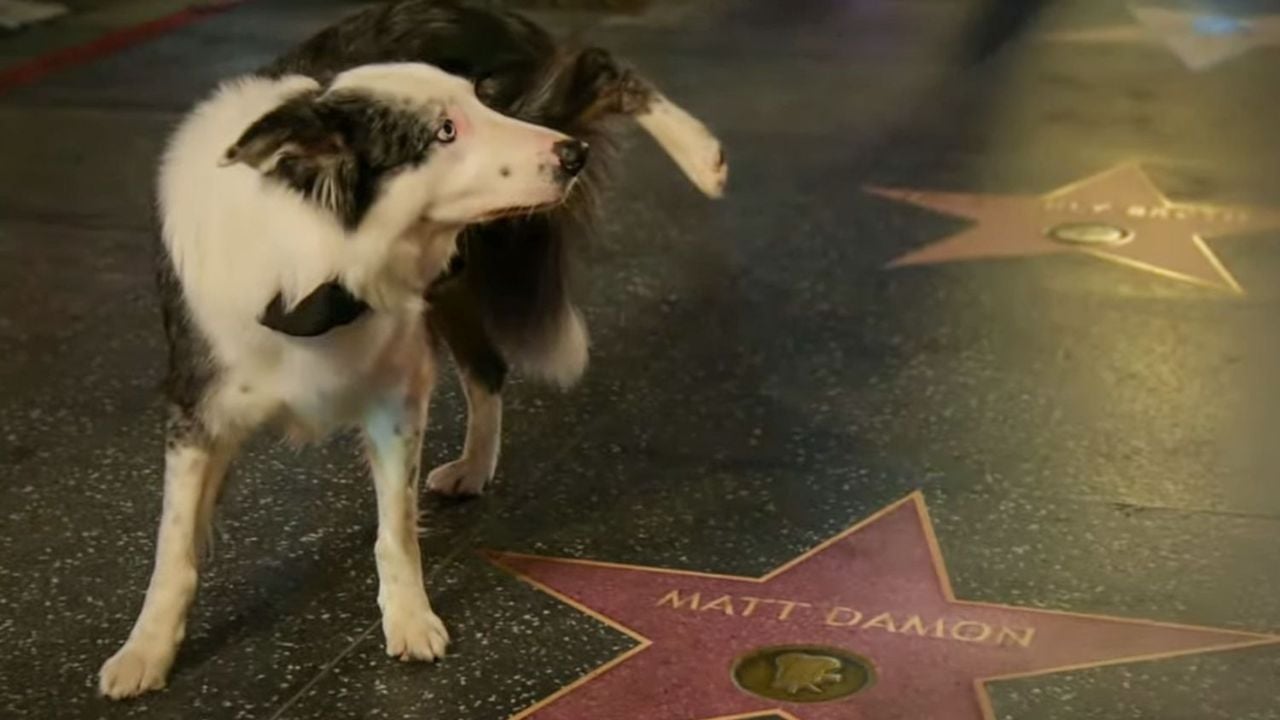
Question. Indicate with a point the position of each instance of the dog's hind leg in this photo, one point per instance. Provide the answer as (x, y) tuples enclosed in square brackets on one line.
[(455, 319), (479, 460), (194, 462), (393, 439)]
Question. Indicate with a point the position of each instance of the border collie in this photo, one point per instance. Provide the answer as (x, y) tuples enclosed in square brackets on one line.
[(314, 212), (505, 301), (269, 189)]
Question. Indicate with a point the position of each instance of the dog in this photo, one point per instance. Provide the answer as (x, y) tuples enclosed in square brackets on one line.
[(332, 239), (506, 300), (359, 186)]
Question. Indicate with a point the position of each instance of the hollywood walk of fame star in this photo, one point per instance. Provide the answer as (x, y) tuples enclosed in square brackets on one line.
[(878, 591), (1132, 221), (1200, 40)]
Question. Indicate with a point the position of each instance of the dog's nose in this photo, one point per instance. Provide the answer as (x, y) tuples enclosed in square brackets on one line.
[(572, 154)]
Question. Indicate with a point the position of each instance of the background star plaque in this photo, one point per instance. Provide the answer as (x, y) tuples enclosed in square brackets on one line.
[(1117, 215), (1200, 40)]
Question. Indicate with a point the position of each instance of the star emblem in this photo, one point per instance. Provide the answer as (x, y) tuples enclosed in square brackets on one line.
[(863, 626), (1201, 40), (1117, 215)]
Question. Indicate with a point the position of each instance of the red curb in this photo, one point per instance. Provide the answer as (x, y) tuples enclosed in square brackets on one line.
[(39, 67)]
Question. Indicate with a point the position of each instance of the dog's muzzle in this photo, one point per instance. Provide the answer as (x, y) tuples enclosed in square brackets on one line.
[(573, 157)]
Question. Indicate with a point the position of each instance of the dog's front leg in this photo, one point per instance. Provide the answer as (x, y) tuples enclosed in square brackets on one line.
[(193, 463), (393, 439)]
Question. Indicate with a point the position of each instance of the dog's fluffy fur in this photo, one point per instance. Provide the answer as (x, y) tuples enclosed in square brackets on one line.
[(506, 301), (313, 215)]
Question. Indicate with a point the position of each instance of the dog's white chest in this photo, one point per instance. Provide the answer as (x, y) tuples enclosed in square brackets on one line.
[(319, 384)]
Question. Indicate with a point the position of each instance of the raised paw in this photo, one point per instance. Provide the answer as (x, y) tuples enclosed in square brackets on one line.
[(701, 156), (414, 635), (136, 668), (460, 478), (694, 148), (711, 171)]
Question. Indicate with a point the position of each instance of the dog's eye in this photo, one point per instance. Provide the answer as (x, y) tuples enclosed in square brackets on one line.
[(447, 133)]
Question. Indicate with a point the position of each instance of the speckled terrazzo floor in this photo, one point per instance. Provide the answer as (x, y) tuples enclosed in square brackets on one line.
[(832, 341)]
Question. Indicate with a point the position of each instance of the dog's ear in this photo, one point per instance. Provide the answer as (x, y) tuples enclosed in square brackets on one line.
[(299, 129)]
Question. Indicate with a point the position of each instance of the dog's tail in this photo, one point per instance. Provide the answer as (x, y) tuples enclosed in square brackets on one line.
[(687, 141), (558, 355), (516, 271)]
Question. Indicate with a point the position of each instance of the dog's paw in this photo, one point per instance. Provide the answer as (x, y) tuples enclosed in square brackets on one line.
[(693, 147), (414, 634), (460, 478), (136, 668), (709, 168)]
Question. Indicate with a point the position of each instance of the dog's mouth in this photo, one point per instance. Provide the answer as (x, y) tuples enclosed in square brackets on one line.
[(519, 211)]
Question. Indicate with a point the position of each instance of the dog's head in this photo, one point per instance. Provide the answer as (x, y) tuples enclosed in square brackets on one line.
[(409, 140)]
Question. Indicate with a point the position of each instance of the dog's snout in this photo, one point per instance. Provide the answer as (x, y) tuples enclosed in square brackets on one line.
[(572, 155)]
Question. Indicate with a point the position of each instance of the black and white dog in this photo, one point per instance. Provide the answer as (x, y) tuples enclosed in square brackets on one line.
[(314, 214)]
